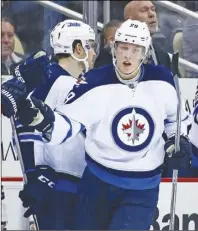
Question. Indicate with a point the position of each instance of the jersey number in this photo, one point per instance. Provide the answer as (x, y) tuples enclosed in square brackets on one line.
[(71, 95)]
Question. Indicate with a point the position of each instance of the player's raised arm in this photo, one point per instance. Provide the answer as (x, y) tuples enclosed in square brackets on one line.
[(82, 109), (27, 75)]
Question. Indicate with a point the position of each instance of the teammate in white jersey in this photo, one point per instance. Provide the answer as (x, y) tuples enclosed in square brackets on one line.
[(72, 42), (194, 136), (125, 108)]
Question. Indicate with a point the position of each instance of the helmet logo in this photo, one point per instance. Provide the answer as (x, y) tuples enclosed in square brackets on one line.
[(74, 24), (134, 25)]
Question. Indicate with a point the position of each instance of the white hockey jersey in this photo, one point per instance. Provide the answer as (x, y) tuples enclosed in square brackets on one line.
[(124, 144), (66, 157), (193, 135)]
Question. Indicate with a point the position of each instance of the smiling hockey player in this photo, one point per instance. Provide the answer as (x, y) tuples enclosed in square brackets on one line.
[(125, 108)]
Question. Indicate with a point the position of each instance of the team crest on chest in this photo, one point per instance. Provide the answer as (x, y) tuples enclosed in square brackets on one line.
[(132, 128)]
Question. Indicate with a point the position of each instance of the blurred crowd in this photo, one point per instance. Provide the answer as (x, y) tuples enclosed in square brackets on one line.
[(26, 27)]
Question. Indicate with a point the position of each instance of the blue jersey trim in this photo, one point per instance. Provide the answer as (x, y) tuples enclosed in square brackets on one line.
[(94, 78), (136, 174), (195, 110), (32, 137), (166, 121), (56, 71), (69, 133), (157, 73), (106, 75), (127, 180)]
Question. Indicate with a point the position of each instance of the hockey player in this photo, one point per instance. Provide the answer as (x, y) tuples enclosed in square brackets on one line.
[(62, 165), (125, 108), (194, 137)]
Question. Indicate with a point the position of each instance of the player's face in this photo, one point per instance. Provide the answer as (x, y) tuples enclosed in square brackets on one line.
[(91, 54), (128, 57), (7, 39), (144, 11)]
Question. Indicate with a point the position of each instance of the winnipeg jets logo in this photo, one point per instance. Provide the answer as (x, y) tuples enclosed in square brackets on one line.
[(81, 80), (132, 128)]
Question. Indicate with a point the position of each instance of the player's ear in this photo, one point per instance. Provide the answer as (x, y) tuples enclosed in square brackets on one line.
[(78, 49)]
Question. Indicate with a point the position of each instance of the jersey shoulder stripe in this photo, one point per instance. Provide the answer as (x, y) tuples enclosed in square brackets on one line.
[(158, 73), (94, 78), (55, 71)]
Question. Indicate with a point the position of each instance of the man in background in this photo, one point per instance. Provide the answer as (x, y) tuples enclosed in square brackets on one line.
[(107, 36), (144, 11), (9, 58)]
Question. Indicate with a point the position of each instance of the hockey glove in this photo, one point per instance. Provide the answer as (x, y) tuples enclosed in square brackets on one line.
[(181, 159), (11, 92), (33, 112), (2, 193), (34, 70), (27, 75), (40, 189)]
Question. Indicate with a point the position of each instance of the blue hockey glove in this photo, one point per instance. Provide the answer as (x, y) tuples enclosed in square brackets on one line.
[(27, 75), (11, 92), (33, 112), (2, 193), (34, 70), (181, 159), (40, 189)]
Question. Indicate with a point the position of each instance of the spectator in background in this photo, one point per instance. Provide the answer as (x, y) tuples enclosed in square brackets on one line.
[(190, 47), (28, 22), (107, 36), (144, 11), (9, 58)]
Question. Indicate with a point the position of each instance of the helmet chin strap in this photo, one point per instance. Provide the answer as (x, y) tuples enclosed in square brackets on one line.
[(86, 64), (128, 76)]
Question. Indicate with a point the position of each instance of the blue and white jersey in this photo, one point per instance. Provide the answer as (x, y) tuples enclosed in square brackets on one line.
[(124, 144), (66, 157), (193, 135)]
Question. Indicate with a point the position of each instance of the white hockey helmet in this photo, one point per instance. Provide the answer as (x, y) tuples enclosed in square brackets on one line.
[(136, 32), (66, 32)]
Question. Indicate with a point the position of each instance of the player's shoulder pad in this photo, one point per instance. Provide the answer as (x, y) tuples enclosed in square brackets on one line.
[(158, 73), (92, 79), (55, 71)]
